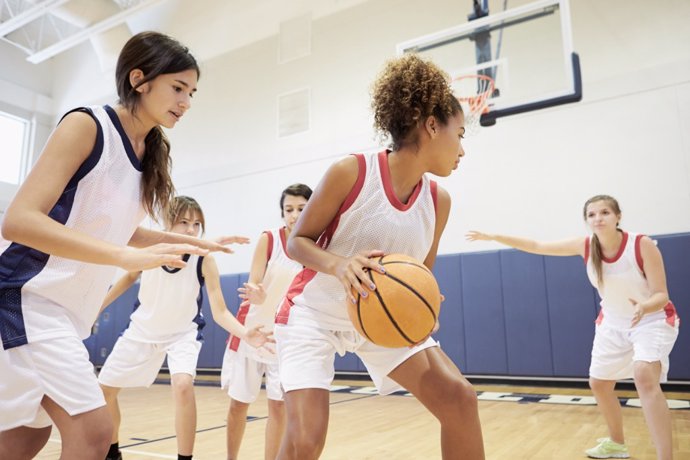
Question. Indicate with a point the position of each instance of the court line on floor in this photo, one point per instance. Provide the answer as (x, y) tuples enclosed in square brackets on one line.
[(127, 448), (131, 451)]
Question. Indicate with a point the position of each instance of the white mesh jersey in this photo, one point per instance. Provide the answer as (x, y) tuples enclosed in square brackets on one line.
[(624, 279), (371, 217), (44, 296), (280, 271), (169, 303)]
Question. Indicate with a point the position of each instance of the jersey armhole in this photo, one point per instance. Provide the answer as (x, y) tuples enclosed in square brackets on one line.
[(200, 271), (269, 249), (638, 253), (95, 155), (586, 250), (354, 193), (434, 195)]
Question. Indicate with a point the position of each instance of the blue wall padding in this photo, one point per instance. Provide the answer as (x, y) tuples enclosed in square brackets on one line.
[(506, 313), (447, 271), (676, 252), (526, 314), (484, 324), (572, 309)]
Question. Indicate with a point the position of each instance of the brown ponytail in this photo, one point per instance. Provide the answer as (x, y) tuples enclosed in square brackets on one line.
[(595, 246), (158, 189), (595, 254)]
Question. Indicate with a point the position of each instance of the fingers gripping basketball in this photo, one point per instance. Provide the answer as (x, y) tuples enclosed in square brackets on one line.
[(404, 307)]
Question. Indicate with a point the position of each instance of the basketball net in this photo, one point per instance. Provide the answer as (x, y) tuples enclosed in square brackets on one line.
[(473, 93)]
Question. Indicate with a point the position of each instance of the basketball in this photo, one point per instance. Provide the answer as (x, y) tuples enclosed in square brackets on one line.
[(404, 307)]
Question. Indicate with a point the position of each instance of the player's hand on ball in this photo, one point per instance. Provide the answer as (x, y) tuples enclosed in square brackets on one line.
[(352, 272)]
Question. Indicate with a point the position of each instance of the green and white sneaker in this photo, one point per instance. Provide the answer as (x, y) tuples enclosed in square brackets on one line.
[(608, 449)]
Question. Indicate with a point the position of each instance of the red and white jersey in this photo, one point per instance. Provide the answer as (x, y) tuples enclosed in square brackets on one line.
[(43, 296), (169, 303), (623, 279), (371, 217), (280, 271)]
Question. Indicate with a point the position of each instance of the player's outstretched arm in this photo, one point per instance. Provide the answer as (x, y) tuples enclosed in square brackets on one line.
[(119, 288), (231, 239), (253, 290), (569, 247), (144, 237), (221, 315), (26, 219)]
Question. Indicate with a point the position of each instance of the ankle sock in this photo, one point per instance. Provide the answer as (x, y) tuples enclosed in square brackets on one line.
[(114, 450)]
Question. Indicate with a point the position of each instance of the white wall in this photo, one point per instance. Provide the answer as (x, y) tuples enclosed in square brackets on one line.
[(529, 174), (25, 91)]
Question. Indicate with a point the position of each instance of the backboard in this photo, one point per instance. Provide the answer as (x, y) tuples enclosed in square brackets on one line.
[(527, 50)]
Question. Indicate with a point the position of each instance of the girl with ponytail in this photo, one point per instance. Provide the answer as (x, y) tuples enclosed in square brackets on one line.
[(68, 228), (637, 325)]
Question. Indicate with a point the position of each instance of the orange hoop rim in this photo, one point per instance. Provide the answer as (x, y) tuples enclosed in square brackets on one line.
[(477, 102)]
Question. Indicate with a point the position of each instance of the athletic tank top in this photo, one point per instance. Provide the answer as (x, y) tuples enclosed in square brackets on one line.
[(280, 271), (624, 279), (371, 217), (44, 296), (169, 303)]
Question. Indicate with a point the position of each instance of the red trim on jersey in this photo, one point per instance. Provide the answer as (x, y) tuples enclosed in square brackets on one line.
[(671, 315), (354, 193), (295, 289), (638, 253), (325, 237), (586, 250), (233, 340), (620, 250), (269, 249), (600, 318), (283, 240), (388, 185), (434, 194)]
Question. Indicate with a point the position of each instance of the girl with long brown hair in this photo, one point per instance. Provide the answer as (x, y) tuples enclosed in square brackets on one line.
[(68, 228)]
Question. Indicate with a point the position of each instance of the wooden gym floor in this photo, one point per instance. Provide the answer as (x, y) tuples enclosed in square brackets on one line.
[(518, 422)]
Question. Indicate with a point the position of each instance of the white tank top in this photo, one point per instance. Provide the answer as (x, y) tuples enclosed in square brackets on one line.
[(44, 296), (280, 271), (169, 303), (624, 279), (371, 217)]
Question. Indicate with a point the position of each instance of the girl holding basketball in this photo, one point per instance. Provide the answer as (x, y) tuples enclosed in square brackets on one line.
[(100, 172), (348, 220), (637, 325), (167, 321), (244, 367)]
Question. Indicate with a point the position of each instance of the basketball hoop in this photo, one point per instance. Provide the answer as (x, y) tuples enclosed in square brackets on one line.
[(473, 93)]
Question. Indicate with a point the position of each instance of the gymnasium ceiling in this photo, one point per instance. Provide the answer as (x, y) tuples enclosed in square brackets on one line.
[(43, 29)]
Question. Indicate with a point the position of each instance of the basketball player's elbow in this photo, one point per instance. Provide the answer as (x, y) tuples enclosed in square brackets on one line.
[(294, 247), (11, 227)]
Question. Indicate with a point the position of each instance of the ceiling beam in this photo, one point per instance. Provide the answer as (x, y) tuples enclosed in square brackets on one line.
[(79, 37), (29, 15)]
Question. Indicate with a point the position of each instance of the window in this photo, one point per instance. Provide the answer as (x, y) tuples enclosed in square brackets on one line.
[(13, 137)]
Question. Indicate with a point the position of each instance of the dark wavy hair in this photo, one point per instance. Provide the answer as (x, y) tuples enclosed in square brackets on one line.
[(406, 93), (154, 54), (295, 190)]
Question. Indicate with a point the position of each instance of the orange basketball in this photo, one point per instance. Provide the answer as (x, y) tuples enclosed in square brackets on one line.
[(404, 307)]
